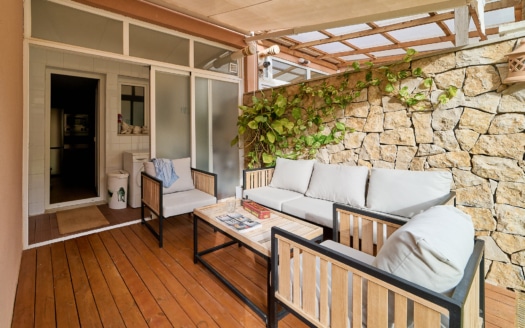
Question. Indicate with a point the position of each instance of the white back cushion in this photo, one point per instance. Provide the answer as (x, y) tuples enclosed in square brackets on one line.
[(431, 250), (339, 183), (406, 193), (182, 168), (292, 175)]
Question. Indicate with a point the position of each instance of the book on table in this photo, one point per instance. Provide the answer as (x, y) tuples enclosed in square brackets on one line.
[(239, 222)]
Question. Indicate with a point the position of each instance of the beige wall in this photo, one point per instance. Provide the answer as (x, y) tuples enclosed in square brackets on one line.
[(11, 110)]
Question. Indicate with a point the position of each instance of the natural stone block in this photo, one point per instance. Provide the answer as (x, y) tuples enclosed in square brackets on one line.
[(401, 137), (404, 157), (419, 164), (453, 159), (476, 120), (475, 196), (392, 104), (356, 123), (361, 162), (464, 179), (497, 168), (481, 217), (480, 79), (490, 54), (436, 64), (359, 109), (334, 148), (323, 156), (447, 140), (492, 250), (509, 243), (518, 258), (503, 70), (454, 77), (388, 153), (395, 120), (457, 101), (510, 219), (374, 95), (370, 149), (507, 124), (382, 165), (446, 119), (375, 120), (422, 127), (508, 275), (466, 139), (511, 193), (509, 145), (513, 100), (346, 156), (429, 149), (487, 102), (354, 140)]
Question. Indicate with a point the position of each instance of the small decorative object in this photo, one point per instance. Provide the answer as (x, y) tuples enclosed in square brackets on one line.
[(516, 65), (259, 211), (145, 129), (126, 128), (137, 130)]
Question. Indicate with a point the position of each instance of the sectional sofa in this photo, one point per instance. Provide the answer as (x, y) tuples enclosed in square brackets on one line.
[(308, 189)]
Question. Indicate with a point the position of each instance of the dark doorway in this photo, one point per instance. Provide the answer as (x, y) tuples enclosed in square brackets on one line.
[(73, 138)]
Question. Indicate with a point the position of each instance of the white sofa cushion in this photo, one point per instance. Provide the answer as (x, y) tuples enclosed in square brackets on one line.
[(271, 197), (406, 193), (314, 210), (177, 203), (431, 250), (292, 175), (182, 168), (339, 183)]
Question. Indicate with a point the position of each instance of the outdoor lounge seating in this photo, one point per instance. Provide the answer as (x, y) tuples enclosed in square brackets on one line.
[(427, 272), (193, 188)]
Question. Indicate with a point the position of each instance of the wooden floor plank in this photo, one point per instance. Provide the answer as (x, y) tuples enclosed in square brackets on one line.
[(45, 296), (24, 308), (123, 299), (86, 307), (125, 271), (107, 309), (145, 301), (66, 308)]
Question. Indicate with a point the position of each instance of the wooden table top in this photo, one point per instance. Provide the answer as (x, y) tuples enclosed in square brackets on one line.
[(260, 238)]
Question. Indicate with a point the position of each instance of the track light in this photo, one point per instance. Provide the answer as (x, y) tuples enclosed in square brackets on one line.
[(303, 61)]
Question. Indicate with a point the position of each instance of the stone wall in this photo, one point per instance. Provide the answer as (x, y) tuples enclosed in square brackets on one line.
[(478, 136)]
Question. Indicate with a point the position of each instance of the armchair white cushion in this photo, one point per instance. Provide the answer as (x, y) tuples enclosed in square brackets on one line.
[(182, 168)]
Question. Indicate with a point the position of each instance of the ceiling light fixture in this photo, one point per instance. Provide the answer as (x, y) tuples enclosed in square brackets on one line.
[(516, 65), (303, 61)]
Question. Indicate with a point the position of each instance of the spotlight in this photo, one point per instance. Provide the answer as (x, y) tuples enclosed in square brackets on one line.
[(303, 61)]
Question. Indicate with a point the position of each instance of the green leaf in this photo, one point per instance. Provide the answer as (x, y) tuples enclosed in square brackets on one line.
[(428, 82), (277, 126), (419, 96), (402, 75), (356, 66), (267, 158), (296, 113), (368, 76), (417, 72), (369, 64), (270, 136), (260, 119), (241, 129), (234, 141), (389, 88), (452, 91), (253, 125), (340, 126), (391, 77)]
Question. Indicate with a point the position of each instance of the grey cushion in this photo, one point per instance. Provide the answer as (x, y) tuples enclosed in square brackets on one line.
[(314, 210), (271, 197), (339, 183), (406, 193), (431, 250), (292, 175), (177, 203), (182, 168)]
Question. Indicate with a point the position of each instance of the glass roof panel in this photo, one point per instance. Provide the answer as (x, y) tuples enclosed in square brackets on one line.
[(355, 57), (497, 17), (433, 46), (417, 32), (386, 53), (309, 36), (399, 20), (333, 47), (370, 41), (348, 29)]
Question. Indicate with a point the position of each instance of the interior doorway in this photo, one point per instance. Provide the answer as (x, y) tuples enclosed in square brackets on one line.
[(73, 142)]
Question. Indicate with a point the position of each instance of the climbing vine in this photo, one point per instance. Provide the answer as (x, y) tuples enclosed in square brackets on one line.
[(296, 126)]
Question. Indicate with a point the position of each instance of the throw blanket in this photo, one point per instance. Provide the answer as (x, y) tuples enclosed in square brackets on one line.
[(165, 171)]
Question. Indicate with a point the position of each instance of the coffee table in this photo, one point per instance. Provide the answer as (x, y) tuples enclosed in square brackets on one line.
[(258, 241)]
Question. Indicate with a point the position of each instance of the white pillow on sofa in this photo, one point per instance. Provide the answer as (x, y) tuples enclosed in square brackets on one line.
[(292, 175), (406, 193), (431, 249), (339, 183), (182, 168)]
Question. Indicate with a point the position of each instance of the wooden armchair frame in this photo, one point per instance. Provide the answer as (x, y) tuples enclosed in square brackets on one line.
[(152, 192)]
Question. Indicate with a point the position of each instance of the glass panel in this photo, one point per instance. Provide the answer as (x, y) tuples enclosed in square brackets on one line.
[(172, 115), (149, 44), (213, 58), (225, 157), (202, 133), (132, 104), (51, 21)]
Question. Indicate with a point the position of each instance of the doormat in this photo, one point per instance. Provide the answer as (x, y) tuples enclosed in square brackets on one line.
[(520, 304), (79, 219)]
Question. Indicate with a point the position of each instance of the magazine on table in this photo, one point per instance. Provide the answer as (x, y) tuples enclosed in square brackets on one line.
[(239, 222)]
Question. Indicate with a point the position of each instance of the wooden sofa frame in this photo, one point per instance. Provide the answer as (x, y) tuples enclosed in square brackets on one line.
[(152, 192), (464, 308)]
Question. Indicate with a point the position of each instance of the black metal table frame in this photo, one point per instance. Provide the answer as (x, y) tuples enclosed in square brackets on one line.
[(197, 257)]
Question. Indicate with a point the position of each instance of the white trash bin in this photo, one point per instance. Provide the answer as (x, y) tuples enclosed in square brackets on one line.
[(117, 189)]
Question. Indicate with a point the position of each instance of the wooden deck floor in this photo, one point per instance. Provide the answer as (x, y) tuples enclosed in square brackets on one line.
[(120, 278)]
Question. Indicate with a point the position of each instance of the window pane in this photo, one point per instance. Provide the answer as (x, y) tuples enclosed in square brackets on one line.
[(154, 45), (127, 90), (213, 58), (51, 21)]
